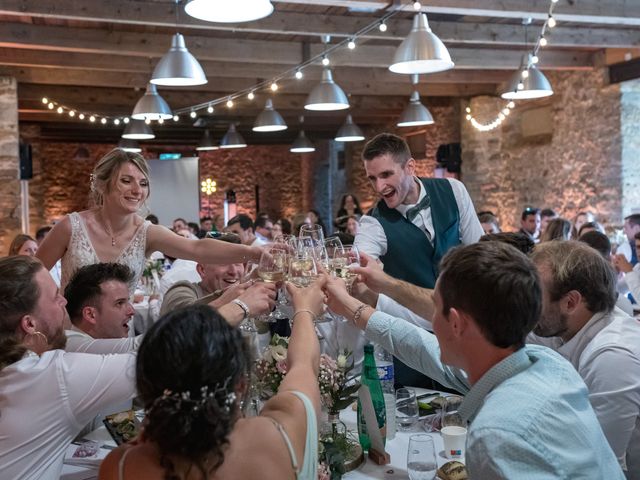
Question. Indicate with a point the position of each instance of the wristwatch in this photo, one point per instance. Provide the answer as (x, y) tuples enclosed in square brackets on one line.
[(243, 306)]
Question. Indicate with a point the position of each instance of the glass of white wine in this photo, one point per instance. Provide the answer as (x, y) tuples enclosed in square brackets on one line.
[(272, 268), (302, 268), (348, 257)]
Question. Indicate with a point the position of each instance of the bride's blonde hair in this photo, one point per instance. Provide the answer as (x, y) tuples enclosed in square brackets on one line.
[(108, 167)]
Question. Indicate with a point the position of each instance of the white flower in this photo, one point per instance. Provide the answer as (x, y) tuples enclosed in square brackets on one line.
[(279, 353), (342, 361)]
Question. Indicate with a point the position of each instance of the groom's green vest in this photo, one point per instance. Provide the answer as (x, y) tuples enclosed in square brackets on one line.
[(410, 255)]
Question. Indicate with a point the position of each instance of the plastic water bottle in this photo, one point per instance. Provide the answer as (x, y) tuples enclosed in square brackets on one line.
[(384, 364), (370, 379)]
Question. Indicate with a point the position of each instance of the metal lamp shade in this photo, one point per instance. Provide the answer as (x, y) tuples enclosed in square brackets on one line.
[(178, 67), (228, 11), (349, 132), (206, 143), (129, 145), (138, 130), (302, 144), (327, 95), (151, 106), (422, 51), (415, 113), (269, 120), (232, 139), (535, 85)]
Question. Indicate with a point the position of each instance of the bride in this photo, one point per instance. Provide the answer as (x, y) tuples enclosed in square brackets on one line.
[(113, 231)]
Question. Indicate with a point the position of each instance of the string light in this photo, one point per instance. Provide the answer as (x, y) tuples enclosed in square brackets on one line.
[(417, 6), (72, 113), (383, 26), (274, 86), (50, 106), (543, 42), (147, 121), (351, 45), (193, 114), (252, 95), (176, 118), (535, 59), (116, 121), (210, 109), (103, 121), (229, 103), (551, 22), (92, 119), (325, 61), (45, 100), (298, 75), (81, 116), (126, 120), (160, 121)]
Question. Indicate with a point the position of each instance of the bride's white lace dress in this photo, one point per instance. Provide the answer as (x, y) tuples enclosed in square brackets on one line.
[(80, 252)]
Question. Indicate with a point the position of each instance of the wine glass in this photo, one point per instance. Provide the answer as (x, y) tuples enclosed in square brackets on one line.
[(272, 268), (302, 268), (421, 457), (314, 232), (342, 261), (291, 244)]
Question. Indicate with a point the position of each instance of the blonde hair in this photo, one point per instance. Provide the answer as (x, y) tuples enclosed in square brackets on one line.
[(108, 167)]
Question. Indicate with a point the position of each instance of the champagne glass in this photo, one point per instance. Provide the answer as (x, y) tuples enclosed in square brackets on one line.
[(272, 268), (421, 458), (291, 244)]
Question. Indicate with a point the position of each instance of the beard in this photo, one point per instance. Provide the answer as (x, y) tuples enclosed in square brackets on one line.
[(552, 323), (58, 340)]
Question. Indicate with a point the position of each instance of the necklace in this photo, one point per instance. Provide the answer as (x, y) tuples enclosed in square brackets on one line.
[(107, 228)]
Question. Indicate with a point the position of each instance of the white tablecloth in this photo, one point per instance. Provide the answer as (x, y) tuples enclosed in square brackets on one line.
[(396, 448)]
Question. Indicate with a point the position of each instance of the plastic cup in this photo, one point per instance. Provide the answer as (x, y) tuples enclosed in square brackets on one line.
[(454, 439)]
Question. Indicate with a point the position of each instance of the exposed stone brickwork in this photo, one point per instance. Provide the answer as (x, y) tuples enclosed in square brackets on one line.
[(10, 222), (577, 167)]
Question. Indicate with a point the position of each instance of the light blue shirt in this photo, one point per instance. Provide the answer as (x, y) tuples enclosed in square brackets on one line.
[(529, 415)]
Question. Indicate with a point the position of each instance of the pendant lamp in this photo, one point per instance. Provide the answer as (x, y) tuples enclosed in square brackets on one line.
[(232, 139), (228, 11), (349, 132), (269, 120), (178, 67), (151, 106), (327, 95)]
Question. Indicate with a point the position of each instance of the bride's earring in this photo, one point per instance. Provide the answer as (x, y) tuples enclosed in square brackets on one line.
[(46, 340)]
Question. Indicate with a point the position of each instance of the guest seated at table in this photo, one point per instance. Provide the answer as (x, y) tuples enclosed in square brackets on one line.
[(220, 288), (527, 409), (192, 373), (23, 245), (99, 308), (47, 395), (112, 230), (579, 321)]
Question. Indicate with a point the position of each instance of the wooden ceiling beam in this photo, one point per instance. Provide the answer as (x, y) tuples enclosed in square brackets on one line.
[(152, 46), (133, 12)]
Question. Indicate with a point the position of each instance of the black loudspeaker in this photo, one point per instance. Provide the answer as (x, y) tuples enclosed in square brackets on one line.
[(449, 156), (26, 165)]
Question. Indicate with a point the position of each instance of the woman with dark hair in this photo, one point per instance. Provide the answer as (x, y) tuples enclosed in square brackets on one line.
[(314, 217), (349, 207), (23, 245), (192, 376), (557, 229)]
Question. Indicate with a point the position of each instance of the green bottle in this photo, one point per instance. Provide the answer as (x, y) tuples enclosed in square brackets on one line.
[(370, 379)]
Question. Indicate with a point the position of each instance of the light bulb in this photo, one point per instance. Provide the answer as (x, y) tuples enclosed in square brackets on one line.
[(535, 59), (274, 86), (468, 116), (501, 116), (45, 100), (511, 105), (525, 74), (551, 22), (229, 103), (468, 109), (325, 61), (50, 106), (521, 86), (506, 111), (298, 74), (81, 116), (193, 114), (176, 118), (60, 110), (72, 113), (383, 27), (116, 121), (251, 96), (161, 121), (351, 45), (543, 42), (147, 121), (210, 109), (417, 6), (103, 121), (125, 120), (92, 119)]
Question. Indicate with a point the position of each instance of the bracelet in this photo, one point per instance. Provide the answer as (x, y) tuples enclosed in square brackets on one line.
[(313, 315), (243, 306), (358, 313)]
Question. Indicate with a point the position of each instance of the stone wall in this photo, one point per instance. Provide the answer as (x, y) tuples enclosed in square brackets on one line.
[(64, 176), (10, 222), (574, 164)]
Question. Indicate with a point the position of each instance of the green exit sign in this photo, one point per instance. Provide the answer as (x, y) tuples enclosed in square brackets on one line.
[(170, 156)]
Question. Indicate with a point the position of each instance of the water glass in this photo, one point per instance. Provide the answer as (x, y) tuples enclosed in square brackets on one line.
[(421, 458), (406, 408), (450, 415)]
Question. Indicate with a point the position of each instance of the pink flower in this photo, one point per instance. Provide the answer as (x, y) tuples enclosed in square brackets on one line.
[(282, 366), (323, 472)]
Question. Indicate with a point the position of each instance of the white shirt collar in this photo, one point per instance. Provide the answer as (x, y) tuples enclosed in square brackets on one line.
[(402, 208)]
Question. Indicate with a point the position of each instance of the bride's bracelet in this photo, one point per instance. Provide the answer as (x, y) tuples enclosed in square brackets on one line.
[(314, 317), (358, 313)]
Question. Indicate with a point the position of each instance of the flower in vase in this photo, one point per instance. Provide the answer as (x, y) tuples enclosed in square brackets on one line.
[(341, 361), (282, 367), (279, 353)]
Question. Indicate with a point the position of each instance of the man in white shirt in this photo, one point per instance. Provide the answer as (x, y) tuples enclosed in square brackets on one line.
[(263, 226), (243, 226), (415, 222), (579, 320), (631, 272), (46, 394), (99, 308)]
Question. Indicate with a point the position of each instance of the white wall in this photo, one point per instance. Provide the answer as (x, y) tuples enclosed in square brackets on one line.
[(175, 190)]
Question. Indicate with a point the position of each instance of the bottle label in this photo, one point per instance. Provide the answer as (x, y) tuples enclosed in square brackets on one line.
[(385, 372)]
